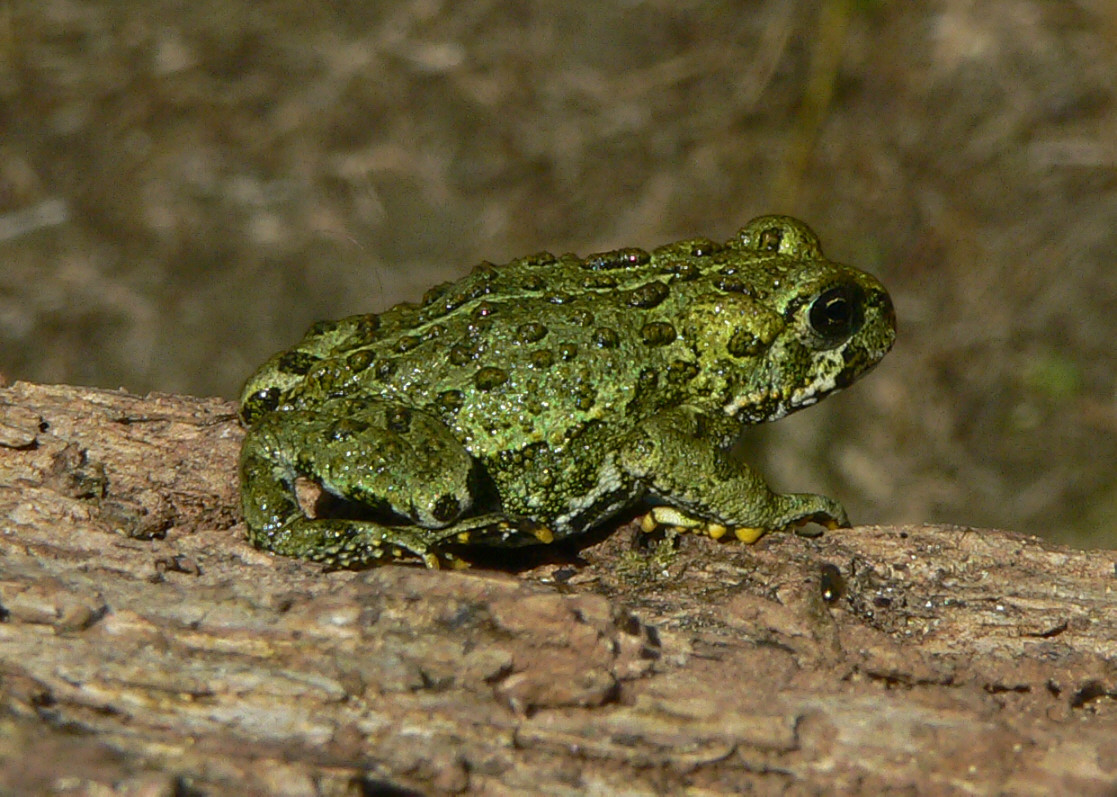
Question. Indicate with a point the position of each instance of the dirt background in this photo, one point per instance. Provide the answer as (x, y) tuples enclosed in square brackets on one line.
[(184, 187)]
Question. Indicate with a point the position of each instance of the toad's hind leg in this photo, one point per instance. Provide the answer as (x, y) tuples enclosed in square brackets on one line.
[(388, 460)]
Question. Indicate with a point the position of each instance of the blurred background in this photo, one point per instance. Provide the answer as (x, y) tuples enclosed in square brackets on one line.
[(185, 187)]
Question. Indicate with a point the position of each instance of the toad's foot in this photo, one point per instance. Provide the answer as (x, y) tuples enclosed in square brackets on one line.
[(681, 522)]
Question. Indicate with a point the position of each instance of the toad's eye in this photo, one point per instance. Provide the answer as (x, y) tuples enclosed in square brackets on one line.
[(770, 240), (836, 314)]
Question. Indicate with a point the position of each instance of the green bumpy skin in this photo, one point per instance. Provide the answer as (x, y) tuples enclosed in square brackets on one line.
[(530, 402)]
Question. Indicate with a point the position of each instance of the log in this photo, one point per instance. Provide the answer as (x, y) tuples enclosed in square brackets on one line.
[(145, 647)]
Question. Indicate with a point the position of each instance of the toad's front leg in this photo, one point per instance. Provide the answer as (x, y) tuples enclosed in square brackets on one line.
[(686, 459)]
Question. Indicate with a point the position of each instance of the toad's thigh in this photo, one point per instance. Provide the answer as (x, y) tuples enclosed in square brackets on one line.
[(376, 453)]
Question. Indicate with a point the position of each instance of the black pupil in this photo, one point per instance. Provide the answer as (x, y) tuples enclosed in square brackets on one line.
[(836, 313)]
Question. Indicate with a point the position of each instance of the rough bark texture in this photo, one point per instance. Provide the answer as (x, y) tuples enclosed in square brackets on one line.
[(146, 648)]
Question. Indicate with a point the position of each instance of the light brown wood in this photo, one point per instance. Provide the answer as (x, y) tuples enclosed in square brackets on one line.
[(145, 647)]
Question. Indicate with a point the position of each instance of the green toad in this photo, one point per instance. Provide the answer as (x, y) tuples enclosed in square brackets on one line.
[(530, 402)]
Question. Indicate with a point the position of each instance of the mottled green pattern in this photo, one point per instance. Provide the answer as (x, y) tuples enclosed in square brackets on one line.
[(532, 401)]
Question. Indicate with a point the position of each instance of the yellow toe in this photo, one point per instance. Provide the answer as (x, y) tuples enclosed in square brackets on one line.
[(716, 530), (747, 535)]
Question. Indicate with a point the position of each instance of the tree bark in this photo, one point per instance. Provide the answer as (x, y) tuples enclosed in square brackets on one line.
[(145, 647)]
